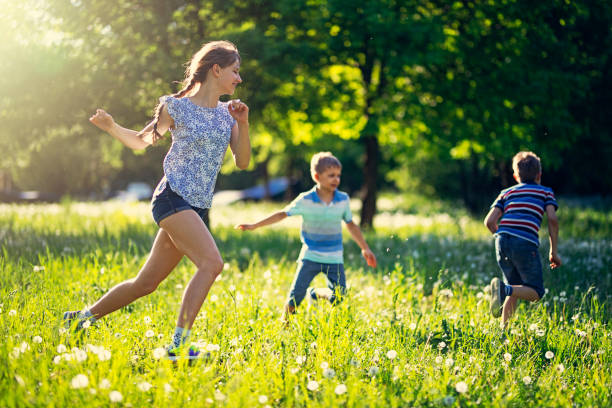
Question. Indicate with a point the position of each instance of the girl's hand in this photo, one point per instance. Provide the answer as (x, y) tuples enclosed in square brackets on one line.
[(102, 120), (245, 227), (239, 111), (369, 257)]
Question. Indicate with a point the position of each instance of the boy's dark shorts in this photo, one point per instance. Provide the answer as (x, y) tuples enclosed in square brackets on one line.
[(520, 262), (166, 202)]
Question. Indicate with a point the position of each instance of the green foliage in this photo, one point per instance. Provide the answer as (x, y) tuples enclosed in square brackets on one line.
[(408, 334), (442, 94)]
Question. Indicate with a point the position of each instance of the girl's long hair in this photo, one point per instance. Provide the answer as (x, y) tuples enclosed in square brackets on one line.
[(223, 53)]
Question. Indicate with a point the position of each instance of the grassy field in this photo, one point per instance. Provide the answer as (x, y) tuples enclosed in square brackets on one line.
[(414, 332)]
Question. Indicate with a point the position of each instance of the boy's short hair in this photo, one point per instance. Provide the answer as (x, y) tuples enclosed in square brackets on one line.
[(322, 161), (527, 166)]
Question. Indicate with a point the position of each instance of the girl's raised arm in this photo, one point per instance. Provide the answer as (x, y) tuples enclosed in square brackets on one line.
[(131, 138), (239, 141)]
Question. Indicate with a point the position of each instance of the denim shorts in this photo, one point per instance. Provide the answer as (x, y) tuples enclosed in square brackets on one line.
[(520, 262), (166, 202), (306, 272)]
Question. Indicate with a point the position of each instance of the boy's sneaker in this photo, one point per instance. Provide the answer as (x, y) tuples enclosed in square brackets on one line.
[(312, 297), (497, 297), (183, 353)]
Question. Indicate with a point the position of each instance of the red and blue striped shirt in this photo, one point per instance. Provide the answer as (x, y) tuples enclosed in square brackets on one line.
[(523, 206)]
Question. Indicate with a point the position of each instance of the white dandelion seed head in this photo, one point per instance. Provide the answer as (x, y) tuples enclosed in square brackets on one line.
[(86, 324), (79, 355), (144, 386), (533, 327), (263, 399), (61, 348), (441, 345), (147, 320), (12, 312), (37, 339), (439, 360), (159, 352), (104, 384), (560, 368), (329, 373), (219, 396), (373, 371), (340, 389), (527, 380), (115, 396), (149, 333), (212, 347), (449, 362), (461, 387), (312, 385), (412, 326), (168, 388), (391, 354), (508, 357), (104, 355), (324, 365), (23, 347), (57, 359), (549, 355), (79, 381)]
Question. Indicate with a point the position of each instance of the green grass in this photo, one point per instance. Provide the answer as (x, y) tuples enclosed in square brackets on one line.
[(426, 303)]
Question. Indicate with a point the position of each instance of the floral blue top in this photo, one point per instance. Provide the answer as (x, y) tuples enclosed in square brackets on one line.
[(200, 137)]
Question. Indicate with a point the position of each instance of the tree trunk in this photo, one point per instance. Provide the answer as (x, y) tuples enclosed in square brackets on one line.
[(370, 179)]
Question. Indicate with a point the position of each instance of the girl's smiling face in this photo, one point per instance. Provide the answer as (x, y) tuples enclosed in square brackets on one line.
[(229, 78)]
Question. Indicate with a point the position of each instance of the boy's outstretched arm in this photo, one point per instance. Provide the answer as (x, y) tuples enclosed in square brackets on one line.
[(365, 249), (492, 218), (553, 231), (276, 217)]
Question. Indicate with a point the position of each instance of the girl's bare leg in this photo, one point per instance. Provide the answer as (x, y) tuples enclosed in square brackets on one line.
[(192, 238), (163, 258)]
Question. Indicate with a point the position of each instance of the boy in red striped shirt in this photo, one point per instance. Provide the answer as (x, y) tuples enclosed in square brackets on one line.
[(515, 219)]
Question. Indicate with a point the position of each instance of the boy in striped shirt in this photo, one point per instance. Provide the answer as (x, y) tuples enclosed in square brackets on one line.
[(519, 210), (323, 208)]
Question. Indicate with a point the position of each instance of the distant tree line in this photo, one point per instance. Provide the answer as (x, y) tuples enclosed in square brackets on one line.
[(434, 96)]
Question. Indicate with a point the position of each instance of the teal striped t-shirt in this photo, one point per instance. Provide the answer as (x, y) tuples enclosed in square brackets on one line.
[(321, 225)]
